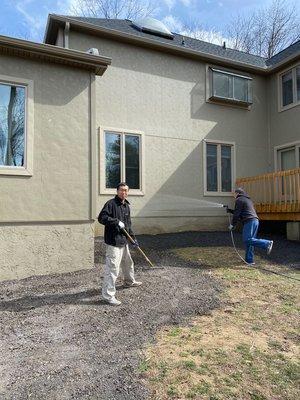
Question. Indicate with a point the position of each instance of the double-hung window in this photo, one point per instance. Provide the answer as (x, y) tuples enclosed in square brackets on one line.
[(230, 87), (218, 167), (287, 156), (121, 153), (289, 83), (15, 142)]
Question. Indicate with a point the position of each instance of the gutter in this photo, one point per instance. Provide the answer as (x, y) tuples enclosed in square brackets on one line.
[(60, 55)]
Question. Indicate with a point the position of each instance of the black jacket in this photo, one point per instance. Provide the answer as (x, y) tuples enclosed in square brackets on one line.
[(113, 212), (244, 209)]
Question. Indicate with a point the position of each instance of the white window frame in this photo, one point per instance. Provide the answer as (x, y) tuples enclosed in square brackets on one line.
[(102, 184), (233, 167), (27, 169), (295, 102), (224, 100), (286, 146)]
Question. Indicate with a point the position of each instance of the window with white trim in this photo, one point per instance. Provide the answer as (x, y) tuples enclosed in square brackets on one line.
[(16, 126), (290, 87), (122, 159), (219, 167), (12, 125), (288, 157), (230, 87)]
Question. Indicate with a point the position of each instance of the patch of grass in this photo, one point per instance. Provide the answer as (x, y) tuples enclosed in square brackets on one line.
[(203, 369), (197, 352), (256, 328), (229, 355), (175, 332), (172, 391), (189, 364), (144, 366), (275, 344), (257, 396), (183, 354), (200, 388)]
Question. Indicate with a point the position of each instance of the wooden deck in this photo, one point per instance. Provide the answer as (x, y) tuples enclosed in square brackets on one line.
[(276, 196)]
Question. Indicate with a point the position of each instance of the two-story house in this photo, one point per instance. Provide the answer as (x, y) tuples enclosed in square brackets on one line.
[(179, 119)]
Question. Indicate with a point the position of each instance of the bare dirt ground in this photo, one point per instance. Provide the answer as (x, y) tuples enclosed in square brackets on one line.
[(60, 341)]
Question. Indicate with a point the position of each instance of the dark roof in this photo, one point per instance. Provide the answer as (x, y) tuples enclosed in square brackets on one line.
[(284, 54), (126, 26), (178, 43)]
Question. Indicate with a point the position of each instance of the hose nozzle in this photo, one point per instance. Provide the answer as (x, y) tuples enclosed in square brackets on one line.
[(228, 210)]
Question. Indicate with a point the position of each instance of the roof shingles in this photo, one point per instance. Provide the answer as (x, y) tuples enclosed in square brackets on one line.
[(180, 41)]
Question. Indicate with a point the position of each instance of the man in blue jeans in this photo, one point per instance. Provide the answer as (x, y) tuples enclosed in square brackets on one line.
[(244, 211)]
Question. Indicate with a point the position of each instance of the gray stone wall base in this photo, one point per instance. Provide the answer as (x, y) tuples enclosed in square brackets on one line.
[(43, 249), (293, 230)]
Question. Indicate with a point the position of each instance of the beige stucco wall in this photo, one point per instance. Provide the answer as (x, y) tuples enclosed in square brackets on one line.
[(284, 125), (164, 96), (41, 249), (59, 189)]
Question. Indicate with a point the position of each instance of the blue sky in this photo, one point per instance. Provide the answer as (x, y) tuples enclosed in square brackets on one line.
[(27, 18)]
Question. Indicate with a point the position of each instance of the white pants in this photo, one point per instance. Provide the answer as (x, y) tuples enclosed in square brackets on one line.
[(116, 256)]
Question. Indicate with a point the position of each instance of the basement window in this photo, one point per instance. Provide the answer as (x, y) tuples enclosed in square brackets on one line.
[(229, 87)]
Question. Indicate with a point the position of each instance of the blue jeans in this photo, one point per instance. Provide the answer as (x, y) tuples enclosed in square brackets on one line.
[(249, 238)]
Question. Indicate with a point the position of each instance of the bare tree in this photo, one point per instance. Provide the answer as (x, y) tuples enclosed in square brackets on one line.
[(130, 9), (241, 32), (266, 31), (194, 29)]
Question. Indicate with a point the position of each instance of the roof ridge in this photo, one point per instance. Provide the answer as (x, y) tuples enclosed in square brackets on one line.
[(175, 33), (190, 45), (218, 45)]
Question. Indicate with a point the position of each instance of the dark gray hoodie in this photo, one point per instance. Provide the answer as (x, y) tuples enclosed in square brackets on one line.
[(244, 209)]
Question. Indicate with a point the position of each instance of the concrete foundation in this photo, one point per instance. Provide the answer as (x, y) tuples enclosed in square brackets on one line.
[(43, 249), (158, 225), (293, 230)]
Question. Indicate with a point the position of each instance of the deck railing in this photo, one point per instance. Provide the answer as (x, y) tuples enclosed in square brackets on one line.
[(277, 192)]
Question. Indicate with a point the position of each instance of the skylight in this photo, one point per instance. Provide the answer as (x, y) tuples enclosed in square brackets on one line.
[(154, 26)]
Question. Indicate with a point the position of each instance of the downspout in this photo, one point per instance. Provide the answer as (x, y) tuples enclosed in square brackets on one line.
[(92, 146), (269, 124), (66, 35)]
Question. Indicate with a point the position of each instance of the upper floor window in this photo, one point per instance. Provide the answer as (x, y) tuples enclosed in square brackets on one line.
[(230, 87), (16, 126), (290, 88), (12, 125), (122, 158)]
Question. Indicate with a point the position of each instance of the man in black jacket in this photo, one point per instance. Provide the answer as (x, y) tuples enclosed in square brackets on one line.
[(244, 211), (115, 215)]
